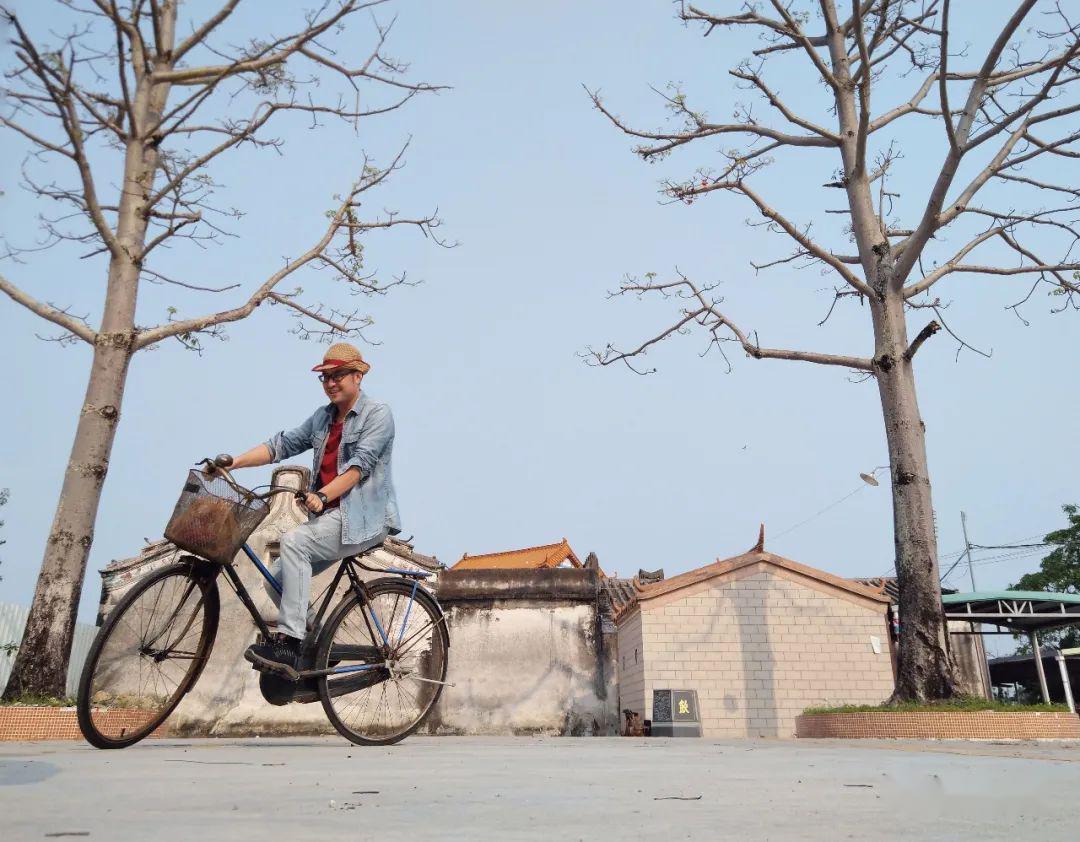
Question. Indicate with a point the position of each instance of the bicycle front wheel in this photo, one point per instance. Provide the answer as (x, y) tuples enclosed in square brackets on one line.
[(383, 689), (148, 654)]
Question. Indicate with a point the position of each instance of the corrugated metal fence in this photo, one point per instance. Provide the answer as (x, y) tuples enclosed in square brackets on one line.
[(13, 622)]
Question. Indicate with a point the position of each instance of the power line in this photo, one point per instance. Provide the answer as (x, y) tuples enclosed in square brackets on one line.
[(819, 513), (959, 553), (1006, 546), (994, 559), (998, 559)]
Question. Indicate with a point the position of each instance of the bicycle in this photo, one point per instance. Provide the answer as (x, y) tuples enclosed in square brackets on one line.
[(378, 665)]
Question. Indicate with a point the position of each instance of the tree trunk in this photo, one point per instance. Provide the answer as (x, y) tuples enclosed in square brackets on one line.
[(924, 668), (41, 664)]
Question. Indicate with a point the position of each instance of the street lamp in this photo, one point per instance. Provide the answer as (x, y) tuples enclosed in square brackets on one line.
[(869, 478)]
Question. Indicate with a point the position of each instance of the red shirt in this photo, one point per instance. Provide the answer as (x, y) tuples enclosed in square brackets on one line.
[(328, 466)]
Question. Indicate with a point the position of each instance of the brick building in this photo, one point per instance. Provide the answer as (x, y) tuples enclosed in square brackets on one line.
[(759, 637)]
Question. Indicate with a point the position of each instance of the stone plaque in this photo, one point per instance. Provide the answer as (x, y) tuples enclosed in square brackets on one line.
[(675, 714), (684, 706), (661, 706)]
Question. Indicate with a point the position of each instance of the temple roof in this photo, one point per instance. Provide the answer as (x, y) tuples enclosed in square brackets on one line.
[(890, 587), (535, 558), (404, 550), (884, 585), (620, 592), (625, 598), (156, 550)]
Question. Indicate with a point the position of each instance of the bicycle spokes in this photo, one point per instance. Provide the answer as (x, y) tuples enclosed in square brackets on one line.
[(152, 647), (406, 630)]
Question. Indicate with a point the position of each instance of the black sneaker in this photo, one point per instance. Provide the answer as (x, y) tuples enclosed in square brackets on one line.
[(281, 655)]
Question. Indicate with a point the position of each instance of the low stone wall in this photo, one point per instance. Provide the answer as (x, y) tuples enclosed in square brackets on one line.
[(944, 725), (26, 723), (528, 654)]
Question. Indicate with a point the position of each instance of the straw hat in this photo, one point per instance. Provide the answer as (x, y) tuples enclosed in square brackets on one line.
[(343, 355)]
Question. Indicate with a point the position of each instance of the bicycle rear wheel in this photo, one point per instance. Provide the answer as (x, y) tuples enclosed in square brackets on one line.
[(377, 699), (148, 654)]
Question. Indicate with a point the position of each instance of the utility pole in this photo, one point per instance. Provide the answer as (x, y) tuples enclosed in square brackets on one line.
[(984, 665), (967, 550)]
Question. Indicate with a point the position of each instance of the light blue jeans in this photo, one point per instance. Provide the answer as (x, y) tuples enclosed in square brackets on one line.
[(306, 549)]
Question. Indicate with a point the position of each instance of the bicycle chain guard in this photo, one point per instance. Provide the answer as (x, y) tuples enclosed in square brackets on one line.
[(278, 690)]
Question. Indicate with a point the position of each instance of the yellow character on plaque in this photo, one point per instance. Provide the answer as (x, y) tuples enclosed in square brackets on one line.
[(684, 706)]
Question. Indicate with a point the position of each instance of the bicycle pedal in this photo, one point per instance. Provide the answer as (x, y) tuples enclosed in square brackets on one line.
[(283, 670)]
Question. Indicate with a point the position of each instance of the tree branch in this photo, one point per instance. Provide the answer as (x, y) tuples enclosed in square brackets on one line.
[(343, 220), (671, 140), (863, 131), (200, 34), (774, 100), (74, 326), (267, 57), (911, 249), (56, 79), (706, 313), (803, 240), (943, 84), (924, 334)]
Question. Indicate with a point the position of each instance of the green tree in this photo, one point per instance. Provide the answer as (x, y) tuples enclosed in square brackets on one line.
[(1059, 572)]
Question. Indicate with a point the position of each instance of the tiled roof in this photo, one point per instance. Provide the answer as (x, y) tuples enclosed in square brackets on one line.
[(151, 552), (155, 550), (620, 592), (890, 586), (886, 585), (643, 592), (547, 555), (404, 550)]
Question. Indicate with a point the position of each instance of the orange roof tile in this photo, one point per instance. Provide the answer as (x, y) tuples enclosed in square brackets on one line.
[(534, 558)]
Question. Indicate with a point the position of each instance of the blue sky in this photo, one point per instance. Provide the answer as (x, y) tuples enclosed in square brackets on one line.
[(505, 438)]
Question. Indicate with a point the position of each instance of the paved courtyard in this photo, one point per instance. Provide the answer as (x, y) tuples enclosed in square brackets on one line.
[(552, 788)]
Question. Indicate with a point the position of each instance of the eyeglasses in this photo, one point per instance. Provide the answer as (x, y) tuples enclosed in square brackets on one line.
[(335, 376)]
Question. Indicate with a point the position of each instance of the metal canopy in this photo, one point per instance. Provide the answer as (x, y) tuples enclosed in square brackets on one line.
[(1029, 612), (1021, 611)]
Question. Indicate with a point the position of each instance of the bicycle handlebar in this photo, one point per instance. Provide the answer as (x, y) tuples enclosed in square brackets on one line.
[(220, 465)]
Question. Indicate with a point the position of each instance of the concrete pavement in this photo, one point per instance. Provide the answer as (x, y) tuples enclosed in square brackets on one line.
[(552, 788)]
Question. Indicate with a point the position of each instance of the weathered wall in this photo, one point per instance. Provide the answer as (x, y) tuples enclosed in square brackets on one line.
[(13, 625), (969, 652), (760, 646), (527, 654), (631, 666)]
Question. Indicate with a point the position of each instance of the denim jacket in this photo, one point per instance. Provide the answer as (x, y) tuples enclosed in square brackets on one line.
[(367, 441)]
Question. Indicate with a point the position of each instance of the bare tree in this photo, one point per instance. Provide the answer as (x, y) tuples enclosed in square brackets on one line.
[(4, 494), (1008, 118), (6, 646), (126, 116)]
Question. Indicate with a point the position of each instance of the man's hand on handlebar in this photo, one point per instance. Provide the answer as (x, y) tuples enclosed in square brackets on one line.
[(311, 502), (212, 467)]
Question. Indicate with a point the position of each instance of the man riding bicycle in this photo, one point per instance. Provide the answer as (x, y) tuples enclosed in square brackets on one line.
[(351, 502)]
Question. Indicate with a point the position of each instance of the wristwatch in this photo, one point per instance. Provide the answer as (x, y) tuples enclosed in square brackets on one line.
[(322, 497)]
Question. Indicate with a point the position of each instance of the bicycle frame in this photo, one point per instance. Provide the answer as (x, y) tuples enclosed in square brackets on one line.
[(346, 569)]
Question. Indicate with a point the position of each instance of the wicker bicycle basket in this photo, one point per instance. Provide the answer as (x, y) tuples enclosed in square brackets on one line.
[(212, 519)]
